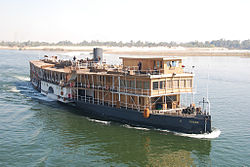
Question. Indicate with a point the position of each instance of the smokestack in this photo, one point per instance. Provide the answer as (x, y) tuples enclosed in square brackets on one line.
[(98, 55)]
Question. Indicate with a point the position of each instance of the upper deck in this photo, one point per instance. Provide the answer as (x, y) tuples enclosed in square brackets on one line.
[(145, 76), (154, 65)]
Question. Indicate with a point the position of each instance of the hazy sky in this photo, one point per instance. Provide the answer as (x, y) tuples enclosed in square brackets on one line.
[(125, 20)]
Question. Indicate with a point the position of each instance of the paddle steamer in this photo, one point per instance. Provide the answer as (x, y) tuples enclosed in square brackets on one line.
[(144, 91)]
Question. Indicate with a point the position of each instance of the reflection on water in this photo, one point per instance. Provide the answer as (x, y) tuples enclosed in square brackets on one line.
[(117, 144)]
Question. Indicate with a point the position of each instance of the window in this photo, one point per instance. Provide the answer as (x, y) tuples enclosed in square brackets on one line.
[(169, 84), (158, 64), (141, 101), (146, 84), (176, 83), (171, 98), (138, 84), (108, 79), (132, 83), (177, 63), (155, 85), (189, 83), (104, 80), (182, 83), (162, 84), (122, 85), (173, 63), (101, 80), (168, 64), (98, 78), (128, 84)]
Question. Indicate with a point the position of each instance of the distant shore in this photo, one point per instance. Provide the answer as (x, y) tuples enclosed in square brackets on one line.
[(159, 51)]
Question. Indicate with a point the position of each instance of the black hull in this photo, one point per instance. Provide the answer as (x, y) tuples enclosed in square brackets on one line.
[(195, 125)]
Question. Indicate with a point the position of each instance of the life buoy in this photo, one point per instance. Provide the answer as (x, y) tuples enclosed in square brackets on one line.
[(146, 113)]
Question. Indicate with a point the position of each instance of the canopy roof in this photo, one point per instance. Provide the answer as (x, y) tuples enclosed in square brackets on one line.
[(152, 57)]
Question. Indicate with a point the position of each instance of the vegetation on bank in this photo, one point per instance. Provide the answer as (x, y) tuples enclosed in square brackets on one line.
[(230, 44)]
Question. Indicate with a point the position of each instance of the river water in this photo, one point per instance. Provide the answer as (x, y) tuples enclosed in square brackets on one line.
[(36, 131)]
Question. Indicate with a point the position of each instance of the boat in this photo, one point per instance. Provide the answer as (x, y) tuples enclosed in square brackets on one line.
[(145, 91)]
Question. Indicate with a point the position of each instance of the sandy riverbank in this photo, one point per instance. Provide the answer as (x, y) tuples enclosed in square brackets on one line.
[(163, 51)]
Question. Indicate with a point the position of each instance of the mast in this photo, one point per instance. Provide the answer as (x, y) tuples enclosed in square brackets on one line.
[(193, 86), (207, 91)]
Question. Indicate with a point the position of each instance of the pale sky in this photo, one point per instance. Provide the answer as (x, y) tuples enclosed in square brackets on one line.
[(124, 20)]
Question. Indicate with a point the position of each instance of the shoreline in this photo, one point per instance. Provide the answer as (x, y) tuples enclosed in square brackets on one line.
[(153, 51)]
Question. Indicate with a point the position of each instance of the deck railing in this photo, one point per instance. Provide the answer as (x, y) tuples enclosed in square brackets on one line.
[(140, 108)]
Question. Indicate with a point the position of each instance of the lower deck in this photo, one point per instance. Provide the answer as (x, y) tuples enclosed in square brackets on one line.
[(159, 105)]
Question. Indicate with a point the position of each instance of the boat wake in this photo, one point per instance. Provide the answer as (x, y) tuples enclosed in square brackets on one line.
[(43, 98), (22, 78), (99, 121), (214, 134), (52, 96), (164, 130), (13, 89), (37, 95), (135, 127)]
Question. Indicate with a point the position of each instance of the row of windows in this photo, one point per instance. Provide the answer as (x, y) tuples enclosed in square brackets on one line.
[(123, 83), (172, 84), (157, 64), (100, 80), (173, 63), (146, 84), (159, 85), (134, 84)]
